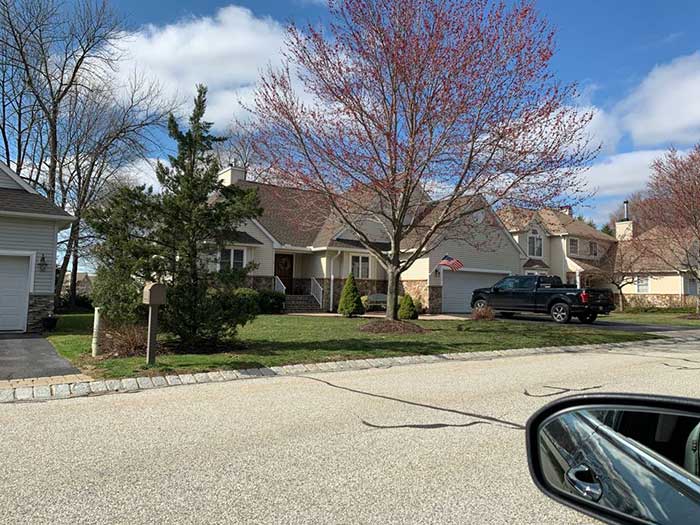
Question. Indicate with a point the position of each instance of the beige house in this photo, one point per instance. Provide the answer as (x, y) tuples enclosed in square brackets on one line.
[(557, 244), (300, 249), (650, 279)]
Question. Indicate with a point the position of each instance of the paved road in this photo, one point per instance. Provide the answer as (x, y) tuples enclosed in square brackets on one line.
[(31, 356), (437, 443)]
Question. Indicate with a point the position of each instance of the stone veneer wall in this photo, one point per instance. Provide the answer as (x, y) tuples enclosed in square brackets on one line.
[(417, 290), (435, 299), (657, 301), (40, 306)]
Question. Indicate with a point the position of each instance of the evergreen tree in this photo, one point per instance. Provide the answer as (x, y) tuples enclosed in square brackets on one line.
[(407, 310), (607, 229), (350, 299), (170, 236)]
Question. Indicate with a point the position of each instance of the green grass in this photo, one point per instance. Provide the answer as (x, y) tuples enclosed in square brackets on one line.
[(660, 318), (274, 340)]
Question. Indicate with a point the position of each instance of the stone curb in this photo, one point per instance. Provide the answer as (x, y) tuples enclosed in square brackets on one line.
[(134, 384)]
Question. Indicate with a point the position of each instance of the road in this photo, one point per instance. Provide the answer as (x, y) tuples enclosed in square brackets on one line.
[(432, 443)]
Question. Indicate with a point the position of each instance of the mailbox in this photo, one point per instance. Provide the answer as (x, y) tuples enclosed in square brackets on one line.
[(154, 294)]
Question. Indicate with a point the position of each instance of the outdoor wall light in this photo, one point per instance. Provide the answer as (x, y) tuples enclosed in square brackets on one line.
[(42, 263)]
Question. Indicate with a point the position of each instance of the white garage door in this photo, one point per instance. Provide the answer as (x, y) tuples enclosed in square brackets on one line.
[(457, 288), (14, 292)]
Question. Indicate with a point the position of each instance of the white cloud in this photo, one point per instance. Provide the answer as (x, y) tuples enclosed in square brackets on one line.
[(226, 52), (621, 174), (665, 107), (603, 129)]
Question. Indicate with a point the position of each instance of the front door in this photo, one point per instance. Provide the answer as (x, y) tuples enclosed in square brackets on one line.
[(284, 269)]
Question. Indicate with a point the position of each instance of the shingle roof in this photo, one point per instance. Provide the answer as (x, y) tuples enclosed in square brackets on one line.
[(22, 201), (246, 238), (555, 222)]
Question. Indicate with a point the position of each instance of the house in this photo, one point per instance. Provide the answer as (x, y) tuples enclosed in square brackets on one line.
[(29, 226), (645, 258), (301, 249), (558, 244), (83, 284)]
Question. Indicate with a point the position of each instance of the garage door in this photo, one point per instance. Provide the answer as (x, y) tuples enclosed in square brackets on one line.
[(457, 288), (14, 292)]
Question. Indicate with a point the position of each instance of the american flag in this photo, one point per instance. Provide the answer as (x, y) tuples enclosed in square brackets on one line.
[(451, 263)]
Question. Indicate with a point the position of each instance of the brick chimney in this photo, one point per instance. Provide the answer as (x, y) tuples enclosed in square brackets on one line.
[(231, 175), (624, 229)]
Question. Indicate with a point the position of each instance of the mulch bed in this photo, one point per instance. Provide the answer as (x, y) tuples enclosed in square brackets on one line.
[(392, 327)]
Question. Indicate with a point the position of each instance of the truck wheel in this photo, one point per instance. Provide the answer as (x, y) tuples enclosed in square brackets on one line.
[(588, 318), (560, 312), (480, 303)]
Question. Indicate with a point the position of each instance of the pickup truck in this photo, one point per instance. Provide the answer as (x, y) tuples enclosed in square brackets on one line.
[(546, 295)]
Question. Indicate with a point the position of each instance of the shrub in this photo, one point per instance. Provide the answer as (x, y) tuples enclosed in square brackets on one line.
[(82, 302), (419, 305), (271, 302), (407, 310), (483, 314), (350, 300), (365, 302), (119, 295), (123, 340), (237, 307)]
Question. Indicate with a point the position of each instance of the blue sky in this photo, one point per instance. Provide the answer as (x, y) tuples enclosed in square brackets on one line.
[(637, 65)]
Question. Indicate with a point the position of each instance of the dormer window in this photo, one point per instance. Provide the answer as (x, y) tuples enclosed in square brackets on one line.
[(573, 246), (593, 249), (534, 244)]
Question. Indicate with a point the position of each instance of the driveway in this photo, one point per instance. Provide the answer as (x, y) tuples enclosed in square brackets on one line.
[(30, 356), (431, 443), (608, 325)]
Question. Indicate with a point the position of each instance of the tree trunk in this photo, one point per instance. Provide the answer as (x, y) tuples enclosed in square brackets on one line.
[(74, 271), (61, 276), (392, 294), (697, 305), (622, 300), (53, 160)]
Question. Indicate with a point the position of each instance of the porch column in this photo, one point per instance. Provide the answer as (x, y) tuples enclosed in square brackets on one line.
[(578, 279)]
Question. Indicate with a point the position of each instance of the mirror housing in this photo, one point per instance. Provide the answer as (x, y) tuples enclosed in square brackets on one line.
[(583, 455)]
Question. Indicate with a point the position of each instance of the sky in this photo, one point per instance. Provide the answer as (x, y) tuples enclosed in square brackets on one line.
[(636, 63)]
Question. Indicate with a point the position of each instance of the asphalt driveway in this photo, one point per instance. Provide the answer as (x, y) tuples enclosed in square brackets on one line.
[(603, 324), (30, 356)]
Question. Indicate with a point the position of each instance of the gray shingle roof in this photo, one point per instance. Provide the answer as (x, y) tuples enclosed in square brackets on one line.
[(22, 201)]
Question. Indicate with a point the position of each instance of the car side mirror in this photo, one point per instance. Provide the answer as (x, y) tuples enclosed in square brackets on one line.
[(620, 458)]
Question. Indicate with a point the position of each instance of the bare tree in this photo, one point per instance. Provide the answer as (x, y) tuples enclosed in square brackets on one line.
[(58, 46), (399, 97), (620, 266), (672, 205), (237, 148), (106, 129)]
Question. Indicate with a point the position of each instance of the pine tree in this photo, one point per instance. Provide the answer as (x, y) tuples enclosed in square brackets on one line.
[(169, 236), (407, 310), (350, 299)]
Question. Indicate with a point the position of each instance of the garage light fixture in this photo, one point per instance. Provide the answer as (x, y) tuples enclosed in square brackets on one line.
[(42, 263)]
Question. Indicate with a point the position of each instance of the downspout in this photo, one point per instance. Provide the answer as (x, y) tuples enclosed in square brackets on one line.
[(330, 304)]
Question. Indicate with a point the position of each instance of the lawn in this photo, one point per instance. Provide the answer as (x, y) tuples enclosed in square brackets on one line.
[(274, 340), (661, 318)]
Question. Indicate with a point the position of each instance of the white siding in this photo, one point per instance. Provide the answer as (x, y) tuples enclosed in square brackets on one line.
[(7, 182), (418, 271), (32, 236)]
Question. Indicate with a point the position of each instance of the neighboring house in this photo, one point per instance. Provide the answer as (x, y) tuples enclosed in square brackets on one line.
[(299, 248), (653, 280), (29, 225), (83, 284), (558, 244)]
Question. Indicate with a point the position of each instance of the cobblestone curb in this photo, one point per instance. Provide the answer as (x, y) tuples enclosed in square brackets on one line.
[(131, 384)]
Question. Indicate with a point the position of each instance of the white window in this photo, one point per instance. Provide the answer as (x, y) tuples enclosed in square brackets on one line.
[(360, 266), (534, 244), (573, 246), (593, 249), (643, 284), (232, 258)]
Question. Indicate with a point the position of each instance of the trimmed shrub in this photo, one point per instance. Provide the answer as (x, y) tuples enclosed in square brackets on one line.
[(365, 302), (407, 310), (419, 305), (271, 302), (483, 314), (350, 300)]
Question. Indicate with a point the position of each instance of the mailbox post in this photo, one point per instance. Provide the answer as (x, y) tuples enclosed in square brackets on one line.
[(153, 296)]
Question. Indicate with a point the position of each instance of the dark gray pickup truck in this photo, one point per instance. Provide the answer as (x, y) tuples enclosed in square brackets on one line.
[(545, 295)]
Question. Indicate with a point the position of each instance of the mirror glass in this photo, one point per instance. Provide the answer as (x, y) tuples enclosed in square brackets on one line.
[(641, 463)]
